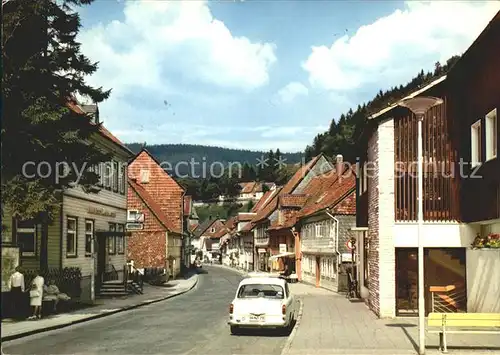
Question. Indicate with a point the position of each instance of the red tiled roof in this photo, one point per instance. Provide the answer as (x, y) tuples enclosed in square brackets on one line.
[(262, 201), (331, 190), (247, 187), (287, 189), (244, 217), (73, 105), (292, 200), (153, 206)]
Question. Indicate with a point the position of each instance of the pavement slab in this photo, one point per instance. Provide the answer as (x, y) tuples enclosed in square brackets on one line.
[(331, 324)]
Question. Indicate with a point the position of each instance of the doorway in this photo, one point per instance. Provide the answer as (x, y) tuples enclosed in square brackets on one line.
[(443, 267), (406, 281), (101, 261)]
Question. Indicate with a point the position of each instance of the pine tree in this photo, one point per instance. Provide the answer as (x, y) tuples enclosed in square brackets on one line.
[(42, 69)]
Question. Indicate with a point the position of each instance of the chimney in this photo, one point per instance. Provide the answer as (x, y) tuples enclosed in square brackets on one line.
[(210, 217), (339, 164)]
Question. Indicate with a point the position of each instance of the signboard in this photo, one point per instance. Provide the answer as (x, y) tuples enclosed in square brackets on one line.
[(351, 244), (134, 226), (261, 251), (101, 212), (282, 248)]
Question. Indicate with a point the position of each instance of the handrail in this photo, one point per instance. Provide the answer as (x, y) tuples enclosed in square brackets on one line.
[(449, 298)]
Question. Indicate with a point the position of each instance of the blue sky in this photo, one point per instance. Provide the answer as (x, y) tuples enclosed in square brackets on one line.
[(260, 75)]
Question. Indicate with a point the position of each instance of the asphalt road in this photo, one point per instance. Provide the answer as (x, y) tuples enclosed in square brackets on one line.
[(193, 323)]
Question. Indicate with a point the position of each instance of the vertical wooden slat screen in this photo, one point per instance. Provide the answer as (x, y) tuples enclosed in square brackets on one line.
[(440, 175)]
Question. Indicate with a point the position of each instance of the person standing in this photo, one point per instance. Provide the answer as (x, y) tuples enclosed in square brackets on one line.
[(16, 288), (36, 296)]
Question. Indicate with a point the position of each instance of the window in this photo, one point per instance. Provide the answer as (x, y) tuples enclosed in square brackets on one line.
[(120, 240), (26, 237), (491, 135), (475, 133), (89, 236), (121, 178), (71, 236), (132, 215), (111, 240), (107, 175), (144, 176), (212, 230), (261, 290), (115, 176)]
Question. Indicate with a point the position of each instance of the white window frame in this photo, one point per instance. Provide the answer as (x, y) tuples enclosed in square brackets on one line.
[(108, 168), (74, 234), (111, 242), (120, 240), (30, 231), (212, 230), (491, 132), (130, 213), (144, 176), (89, 234), (121, 178), (475, 143)]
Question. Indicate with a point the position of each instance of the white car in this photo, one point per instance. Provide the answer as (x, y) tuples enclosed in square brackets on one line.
[(262, 302)]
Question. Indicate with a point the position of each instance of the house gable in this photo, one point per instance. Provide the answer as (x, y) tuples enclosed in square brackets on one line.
[(166, 192)]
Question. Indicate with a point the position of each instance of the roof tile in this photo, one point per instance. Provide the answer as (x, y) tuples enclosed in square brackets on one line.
[(153, 206)]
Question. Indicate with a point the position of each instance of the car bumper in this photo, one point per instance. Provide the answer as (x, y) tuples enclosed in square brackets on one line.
[(273, 323)]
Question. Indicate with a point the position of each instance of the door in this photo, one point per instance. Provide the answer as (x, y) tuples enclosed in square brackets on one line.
[(101, 260), (406, 281)]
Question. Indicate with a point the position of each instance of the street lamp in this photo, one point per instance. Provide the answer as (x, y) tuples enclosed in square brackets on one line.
[(419, 106)]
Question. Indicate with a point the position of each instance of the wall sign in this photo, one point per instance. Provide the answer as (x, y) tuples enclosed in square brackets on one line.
[(101, 212)]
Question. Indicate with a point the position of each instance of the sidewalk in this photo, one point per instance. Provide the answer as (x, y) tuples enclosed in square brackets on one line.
[(103, 307), (331, 324)]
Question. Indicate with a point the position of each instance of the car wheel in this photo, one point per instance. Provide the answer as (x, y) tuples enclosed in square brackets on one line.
[(235, 330)]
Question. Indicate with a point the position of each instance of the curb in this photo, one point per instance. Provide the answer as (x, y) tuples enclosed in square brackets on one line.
[(97, 316), (289, 341)]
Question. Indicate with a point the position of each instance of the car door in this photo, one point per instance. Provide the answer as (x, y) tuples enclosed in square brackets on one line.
[(290, 302)]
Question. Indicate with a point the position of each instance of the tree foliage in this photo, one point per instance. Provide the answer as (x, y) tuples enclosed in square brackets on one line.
[(344, 133), (43, 68)]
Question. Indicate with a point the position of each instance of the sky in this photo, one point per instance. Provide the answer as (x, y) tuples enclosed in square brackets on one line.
[(260, 75)]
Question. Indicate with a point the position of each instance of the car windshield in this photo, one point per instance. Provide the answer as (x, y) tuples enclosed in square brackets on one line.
[(261, 291)]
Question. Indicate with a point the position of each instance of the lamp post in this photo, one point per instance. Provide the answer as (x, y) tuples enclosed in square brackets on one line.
[(419, 106)]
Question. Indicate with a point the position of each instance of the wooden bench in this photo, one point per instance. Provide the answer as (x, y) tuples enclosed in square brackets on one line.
[(453, 323)]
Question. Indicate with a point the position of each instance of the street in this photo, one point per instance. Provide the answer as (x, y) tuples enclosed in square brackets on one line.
[(194, 323)]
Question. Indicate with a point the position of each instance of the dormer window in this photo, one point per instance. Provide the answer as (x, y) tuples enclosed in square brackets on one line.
[(144, 175), (212, 230)]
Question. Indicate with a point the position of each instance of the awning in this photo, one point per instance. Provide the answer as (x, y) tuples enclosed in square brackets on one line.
[(282, 255)]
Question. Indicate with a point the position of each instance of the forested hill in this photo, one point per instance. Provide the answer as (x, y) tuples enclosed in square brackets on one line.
[(175, 153), (343, 134)]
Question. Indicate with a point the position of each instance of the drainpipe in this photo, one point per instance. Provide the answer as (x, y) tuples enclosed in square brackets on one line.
[(336, 237), (298, 253)]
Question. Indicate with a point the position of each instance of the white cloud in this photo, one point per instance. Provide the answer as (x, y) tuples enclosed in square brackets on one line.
[(394, 47), (184, 37), (291, 91)]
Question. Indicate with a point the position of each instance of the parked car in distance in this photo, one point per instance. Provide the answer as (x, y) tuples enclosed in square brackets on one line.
[(262, 302)]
